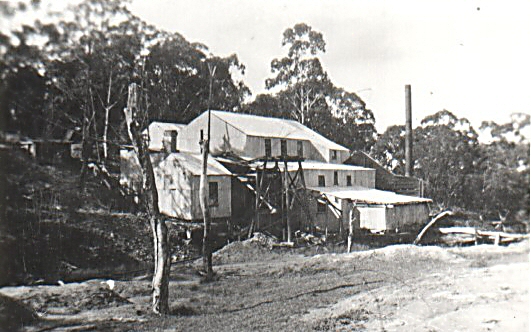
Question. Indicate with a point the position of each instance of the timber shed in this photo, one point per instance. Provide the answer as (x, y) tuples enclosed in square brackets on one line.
[(386, 180), (378, 210), (177, 177)]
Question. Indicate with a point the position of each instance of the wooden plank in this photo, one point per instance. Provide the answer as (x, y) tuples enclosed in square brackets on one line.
[(473, 231)]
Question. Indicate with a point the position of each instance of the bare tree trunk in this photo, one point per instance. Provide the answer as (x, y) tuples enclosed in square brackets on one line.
[(86, 142), (350, 237), (203, 193), (134, 117), (94, 123), (286, 189), (353, 218), (86, 147), (106, 123)]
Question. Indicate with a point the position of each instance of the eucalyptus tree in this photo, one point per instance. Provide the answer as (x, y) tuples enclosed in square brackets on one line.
[(178, 80), (302, 90), (505, 169), (299, 76), (445, 155)]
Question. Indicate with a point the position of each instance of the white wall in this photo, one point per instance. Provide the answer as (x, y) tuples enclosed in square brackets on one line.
[(373, 218), (255, 148), (224, 137), (362, 178), (174, 186), (392, 217), (223, 209)]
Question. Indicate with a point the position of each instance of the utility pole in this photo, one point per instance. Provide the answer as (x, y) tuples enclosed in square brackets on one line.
[(203, 188)]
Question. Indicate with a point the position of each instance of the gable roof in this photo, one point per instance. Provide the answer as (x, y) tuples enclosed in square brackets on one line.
[(163, 126), (262, 126), (191, 162)]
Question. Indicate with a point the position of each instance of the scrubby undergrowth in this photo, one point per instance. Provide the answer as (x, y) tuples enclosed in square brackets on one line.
[(52, 230)]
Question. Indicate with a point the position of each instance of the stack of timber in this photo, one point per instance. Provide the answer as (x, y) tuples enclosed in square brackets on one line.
[(469, 235), (386, 180)]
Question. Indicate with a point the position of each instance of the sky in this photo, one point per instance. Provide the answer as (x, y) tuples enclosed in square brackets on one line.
[(469, 57)]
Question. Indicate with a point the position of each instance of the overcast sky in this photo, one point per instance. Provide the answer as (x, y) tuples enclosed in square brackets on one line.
[(470, 57)]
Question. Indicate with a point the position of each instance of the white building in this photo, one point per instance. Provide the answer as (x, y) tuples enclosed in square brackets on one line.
[(312, 161)]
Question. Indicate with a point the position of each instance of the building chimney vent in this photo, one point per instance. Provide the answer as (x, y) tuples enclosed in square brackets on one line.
[(169, 141)]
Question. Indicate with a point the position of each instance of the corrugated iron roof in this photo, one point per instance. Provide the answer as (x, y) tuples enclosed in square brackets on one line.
[(369, 196), (191, 162), (262, 126)]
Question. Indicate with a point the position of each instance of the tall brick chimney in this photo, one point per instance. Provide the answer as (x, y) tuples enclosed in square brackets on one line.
[(409, 134)]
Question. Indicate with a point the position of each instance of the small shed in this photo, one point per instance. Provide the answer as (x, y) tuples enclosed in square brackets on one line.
[(379, 210), (177, 178)]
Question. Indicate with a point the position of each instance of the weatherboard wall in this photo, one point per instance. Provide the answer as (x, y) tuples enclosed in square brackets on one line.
[(393, 217), (255, 148), (220, 210), (224, 138), (361, 178), (236, 139), (177, 187), (407, 216)]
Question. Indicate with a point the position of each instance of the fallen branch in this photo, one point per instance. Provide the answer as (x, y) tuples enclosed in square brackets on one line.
[(433, 221)]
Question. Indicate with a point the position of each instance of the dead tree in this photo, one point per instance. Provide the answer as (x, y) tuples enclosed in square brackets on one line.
[(134, 117)]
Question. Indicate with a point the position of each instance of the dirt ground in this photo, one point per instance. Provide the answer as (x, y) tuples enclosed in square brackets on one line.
[(396, 288), (59, 245)]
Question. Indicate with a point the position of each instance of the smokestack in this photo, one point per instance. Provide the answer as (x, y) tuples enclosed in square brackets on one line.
[(409, 134)]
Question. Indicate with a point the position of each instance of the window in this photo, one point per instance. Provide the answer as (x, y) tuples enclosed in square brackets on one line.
[(336, 178), (213, 194), (349, 180), (334, 154), (321, 207), (300, 149), (283, 148), (321, 181), (267, 147)]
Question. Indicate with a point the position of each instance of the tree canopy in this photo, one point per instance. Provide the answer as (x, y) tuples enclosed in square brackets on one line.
[(73, 74), (301, 90), (460, 171)]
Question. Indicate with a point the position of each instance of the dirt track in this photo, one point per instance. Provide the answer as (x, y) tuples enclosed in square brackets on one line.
[(398, 288)]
